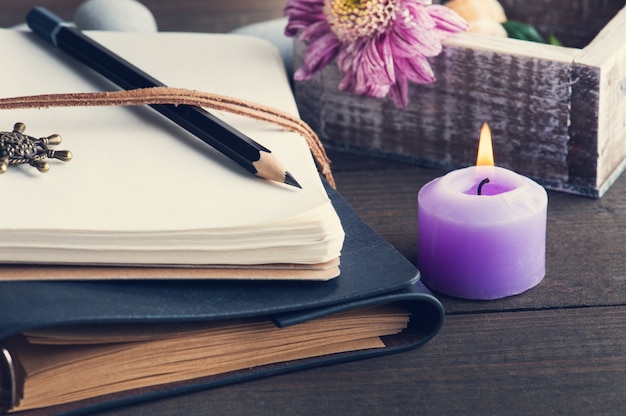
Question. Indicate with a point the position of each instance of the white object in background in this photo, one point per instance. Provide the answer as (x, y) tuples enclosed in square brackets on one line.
[(272, 31), (115, 15)]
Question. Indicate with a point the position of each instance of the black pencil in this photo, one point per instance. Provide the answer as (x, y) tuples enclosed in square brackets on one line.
[(246, 152)]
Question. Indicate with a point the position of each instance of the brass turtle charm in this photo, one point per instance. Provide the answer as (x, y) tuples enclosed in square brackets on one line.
[(18, 148)]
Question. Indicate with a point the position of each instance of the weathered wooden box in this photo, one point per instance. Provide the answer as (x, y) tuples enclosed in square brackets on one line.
[(557, 114)]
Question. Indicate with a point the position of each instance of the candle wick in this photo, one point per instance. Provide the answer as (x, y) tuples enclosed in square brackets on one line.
[(481, 184)]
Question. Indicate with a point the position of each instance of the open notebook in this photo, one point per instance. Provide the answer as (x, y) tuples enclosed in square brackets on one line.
[(142, 191)]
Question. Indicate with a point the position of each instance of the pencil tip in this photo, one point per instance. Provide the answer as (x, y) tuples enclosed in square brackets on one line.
[(290, 180)]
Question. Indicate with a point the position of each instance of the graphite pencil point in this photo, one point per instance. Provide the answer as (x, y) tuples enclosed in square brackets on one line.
[(290, 180)]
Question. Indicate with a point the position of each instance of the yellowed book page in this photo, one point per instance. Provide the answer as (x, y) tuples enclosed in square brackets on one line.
[(153, 356), (321, 271)]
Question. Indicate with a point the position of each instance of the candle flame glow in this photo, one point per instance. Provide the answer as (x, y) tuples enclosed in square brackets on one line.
[(485, 148)]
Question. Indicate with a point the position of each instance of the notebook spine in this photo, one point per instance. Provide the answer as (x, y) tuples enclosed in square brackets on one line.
[(8, 382)]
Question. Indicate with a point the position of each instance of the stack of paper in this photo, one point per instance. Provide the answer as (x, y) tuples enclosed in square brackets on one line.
[(140, 191)]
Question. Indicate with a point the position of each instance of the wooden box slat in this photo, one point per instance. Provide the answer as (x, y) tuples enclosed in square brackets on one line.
[(557, 114)]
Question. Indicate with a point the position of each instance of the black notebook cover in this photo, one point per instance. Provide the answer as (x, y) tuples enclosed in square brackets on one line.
[(372, 272)]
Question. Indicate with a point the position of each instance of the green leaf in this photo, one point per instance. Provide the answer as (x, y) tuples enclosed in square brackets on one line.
[(523, 31), (553, 40)]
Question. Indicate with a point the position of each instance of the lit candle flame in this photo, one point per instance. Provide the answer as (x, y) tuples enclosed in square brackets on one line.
[(484, 160), (485, 147)]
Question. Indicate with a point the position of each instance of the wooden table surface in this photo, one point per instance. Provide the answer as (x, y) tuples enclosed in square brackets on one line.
[(558, 349)]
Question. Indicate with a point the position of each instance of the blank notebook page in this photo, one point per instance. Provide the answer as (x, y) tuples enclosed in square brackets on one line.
[(133, 171)]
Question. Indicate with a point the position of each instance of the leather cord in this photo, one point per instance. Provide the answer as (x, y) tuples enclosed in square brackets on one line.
[(178, 96)]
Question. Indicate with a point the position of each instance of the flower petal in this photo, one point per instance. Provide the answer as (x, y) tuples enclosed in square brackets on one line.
[(387, 54), (301, 14), (314, 31), (377, 62), (417, 40), (416, 69), (317, 55), (448, 21), (419, 14), (399, 92), (380, 62), (350, 84)]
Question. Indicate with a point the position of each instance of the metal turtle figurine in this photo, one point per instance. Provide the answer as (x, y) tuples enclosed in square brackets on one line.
[(17, 148)]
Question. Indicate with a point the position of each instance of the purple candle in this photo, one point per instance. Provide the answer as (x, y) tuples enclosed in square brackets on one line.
[(482, 232)]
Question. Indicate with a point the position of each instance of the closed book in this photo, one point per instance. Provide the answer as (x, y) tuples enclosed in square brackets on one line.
[(338, 319)]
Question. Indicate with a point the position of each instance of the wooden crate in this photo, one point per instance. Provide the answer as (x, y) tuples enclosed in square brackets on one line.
[(557, 114)]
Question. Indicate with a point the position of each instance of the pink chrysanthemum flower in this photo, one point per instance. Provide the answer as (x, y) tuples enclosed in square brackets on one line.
[(379, 45)]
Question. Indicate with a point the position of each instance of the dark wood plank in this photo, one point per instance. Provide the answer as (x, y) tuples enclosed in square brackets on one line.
[(567, 361), (212, 16), (13, 12), (190, 16)]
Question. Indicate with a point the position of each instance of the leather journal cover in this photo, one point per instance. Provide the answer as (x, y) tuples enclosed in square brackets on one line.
[(372, 273)]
